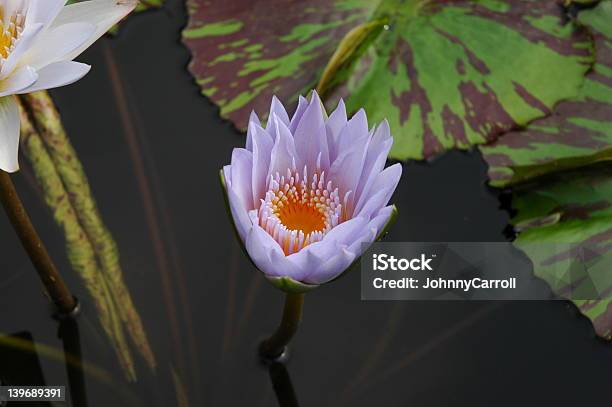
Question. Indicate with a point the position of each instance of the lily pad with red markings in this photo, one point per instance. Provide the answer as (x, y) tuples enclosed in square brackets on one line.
[(452, 74), (245, 51), (565, 227), (445, 73), (578, 133)]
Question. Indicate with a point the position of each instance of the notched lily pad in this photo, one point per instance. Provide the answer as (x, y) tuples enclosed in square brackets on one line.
[(574, 212), (578, 133)]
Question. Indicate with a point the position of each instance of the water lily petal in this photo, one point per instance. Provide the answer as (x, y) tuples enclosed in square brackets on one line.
[(241, 168), (262, 147), (381, 191), (283, 152), (276, 108), (254, 120), (376, 157), (346, 170), (299, 112), (43, 11), (313, 255), (336, 122), (241, 218), (20, 79), (371, 231), (268, 255), (57, 43), (58, 74), (103, 14), (332, 267), (27, 39), (311, 138), (9, 134), (355, 133)]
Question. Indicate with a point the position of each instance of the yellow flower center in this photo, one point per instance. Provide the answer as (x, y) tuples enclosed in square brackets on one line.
[(10, 33), (298, 210)]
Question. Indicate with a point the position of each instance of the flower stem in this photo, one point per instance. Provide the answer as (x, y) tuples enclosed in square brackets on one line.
[(275, 345), (51, 279)]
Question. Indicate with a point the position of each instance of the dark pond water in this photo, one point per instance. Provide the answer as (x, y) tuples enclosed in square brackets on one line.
[(152, 146)]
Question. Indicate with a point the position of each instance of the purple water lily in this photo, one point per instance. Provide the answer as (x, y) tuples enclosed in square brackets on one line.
[(308, 194)]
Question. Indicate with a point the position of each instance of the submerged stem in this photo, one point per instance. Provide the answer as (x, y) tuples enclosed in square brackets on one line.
[(51, 279), (275, 345)]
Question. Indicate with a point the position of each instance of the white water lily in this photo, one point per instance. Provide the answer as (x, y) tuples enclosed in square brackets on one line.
[(38, 41)]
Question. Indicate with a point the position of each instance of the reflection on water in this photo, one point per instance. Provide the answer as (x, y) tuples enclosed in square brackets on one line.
[(153, 170), (68, 332), (283, 388), (20, 365)]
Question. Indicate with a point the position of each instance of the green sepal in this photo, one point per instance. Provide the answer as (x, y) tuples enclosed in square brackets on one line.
[(289, 285)]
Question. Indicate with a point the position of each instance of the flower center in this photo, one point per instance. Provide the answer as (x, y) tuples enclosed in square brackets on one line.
[(10, 33), (298, 210)]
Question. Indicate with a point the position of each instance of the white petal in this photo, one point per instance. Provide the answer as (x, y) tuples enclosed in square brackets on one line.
[(27, 39), (19, 80), (102, 13), (9, 134), (57, 43), (58, 74), (43, 11)]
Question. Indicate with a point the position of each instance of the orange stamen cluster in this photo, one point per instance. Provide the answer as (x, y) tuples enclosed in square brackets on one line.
[(298, 210)]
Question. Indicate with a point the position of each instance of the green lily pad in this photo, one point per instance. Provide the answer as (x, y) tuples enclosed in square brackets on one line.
[(455, 74), (445, 74), (244, 52), (579, 132), (572, 208)]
